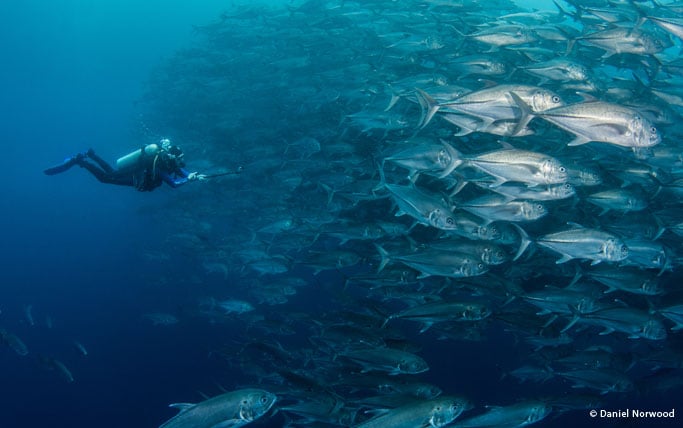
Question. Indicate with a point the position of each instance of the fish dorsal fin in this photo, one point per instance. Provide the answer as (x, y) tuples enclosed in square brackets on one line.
[(376, 413), (487, 83), (564, 259), (506, 145), (586, 97), (182, 407)]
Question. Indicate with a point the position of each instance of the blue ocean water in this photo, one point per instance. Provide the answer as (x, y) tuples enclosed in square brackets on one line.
[(71, 73), (72, 249)]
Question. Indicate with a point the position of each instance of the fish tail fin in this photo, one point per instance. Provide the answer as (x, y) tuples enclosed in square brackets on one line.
[(456, 162), (661, 227), (428, 105), (460, 33), (524, 241), (576, 15), (571, 323), (563, 12), (386, 320), (330, 192), (384, 255), (527, 114), (394, 99), (382, 177), (577, 276)]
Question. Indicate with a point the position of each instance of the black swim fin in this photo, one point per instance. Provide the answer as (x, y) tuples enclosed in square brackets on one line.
[(68, 163)]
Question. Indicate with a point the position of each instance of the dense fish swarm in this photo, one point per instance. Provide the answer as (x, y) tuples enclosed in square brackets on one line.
[(427, 175)]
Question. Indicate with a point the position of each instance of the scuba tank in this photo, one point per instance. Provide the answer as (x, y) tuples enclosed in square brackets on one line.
[(132, 159)]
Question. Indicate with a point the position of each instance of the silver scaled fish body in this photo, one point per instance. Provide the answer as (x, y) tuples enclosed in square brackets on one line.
[(585, 243), (230, 410), (435, 413)]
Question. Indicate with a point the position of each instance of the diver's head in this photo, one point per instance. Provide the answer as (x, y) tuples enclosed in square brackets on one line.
[(173, 153)]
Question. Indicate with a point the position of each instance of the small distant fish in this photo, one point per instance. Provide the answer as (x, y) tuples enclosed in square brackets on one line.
[(619, 40), (234, 306), (426, 209), (161, 318), (436, 312), (80, 348), (56, 365), (388, 360), (603, 380), (13, 342), (28, 313)]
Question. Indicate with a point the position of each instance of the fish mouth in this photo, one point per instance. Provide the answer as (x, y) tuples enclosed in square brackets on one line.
[(246, 414)]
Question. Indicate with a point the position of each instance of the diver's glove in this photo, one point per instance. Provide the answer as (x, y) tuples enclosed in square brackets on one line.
[(196, 176)]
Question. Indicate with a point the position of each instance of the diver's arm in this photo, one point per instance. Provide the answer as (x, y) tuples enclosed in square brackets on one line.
[(179, 177)]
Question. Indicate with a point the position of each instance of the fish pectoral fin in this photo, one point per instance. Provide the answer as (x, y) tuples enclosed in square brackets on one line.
[(182, 407), (425, 326), (498, 182), (229, 423), (606, 331), (564, 259), (579, 140), (428, 107)]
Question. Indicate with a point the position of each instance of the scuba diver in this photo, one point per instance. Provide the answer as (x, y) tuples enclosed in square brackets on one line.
[(145, 168)]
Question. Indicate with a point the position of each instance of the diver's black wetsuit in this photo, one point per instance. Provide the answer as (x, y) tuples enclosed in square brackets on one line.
[(150, 172)]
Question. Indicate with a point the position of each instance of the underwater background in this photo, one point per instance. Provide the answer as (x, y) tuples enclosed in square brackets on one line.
[(97, 265)]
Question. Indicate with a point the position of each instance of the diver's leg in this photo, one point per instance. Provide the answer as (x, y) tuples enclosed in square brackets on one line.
[(101, 162), (108, 177), (99, 173)]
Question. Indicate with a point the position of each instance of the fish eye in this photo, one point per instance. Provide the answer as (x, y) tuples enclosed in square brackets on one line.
[(449, 220), (539, 206), (264, 399), (653, 130), (480, 265), (562, 169), (245, 402), (556, 99)]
